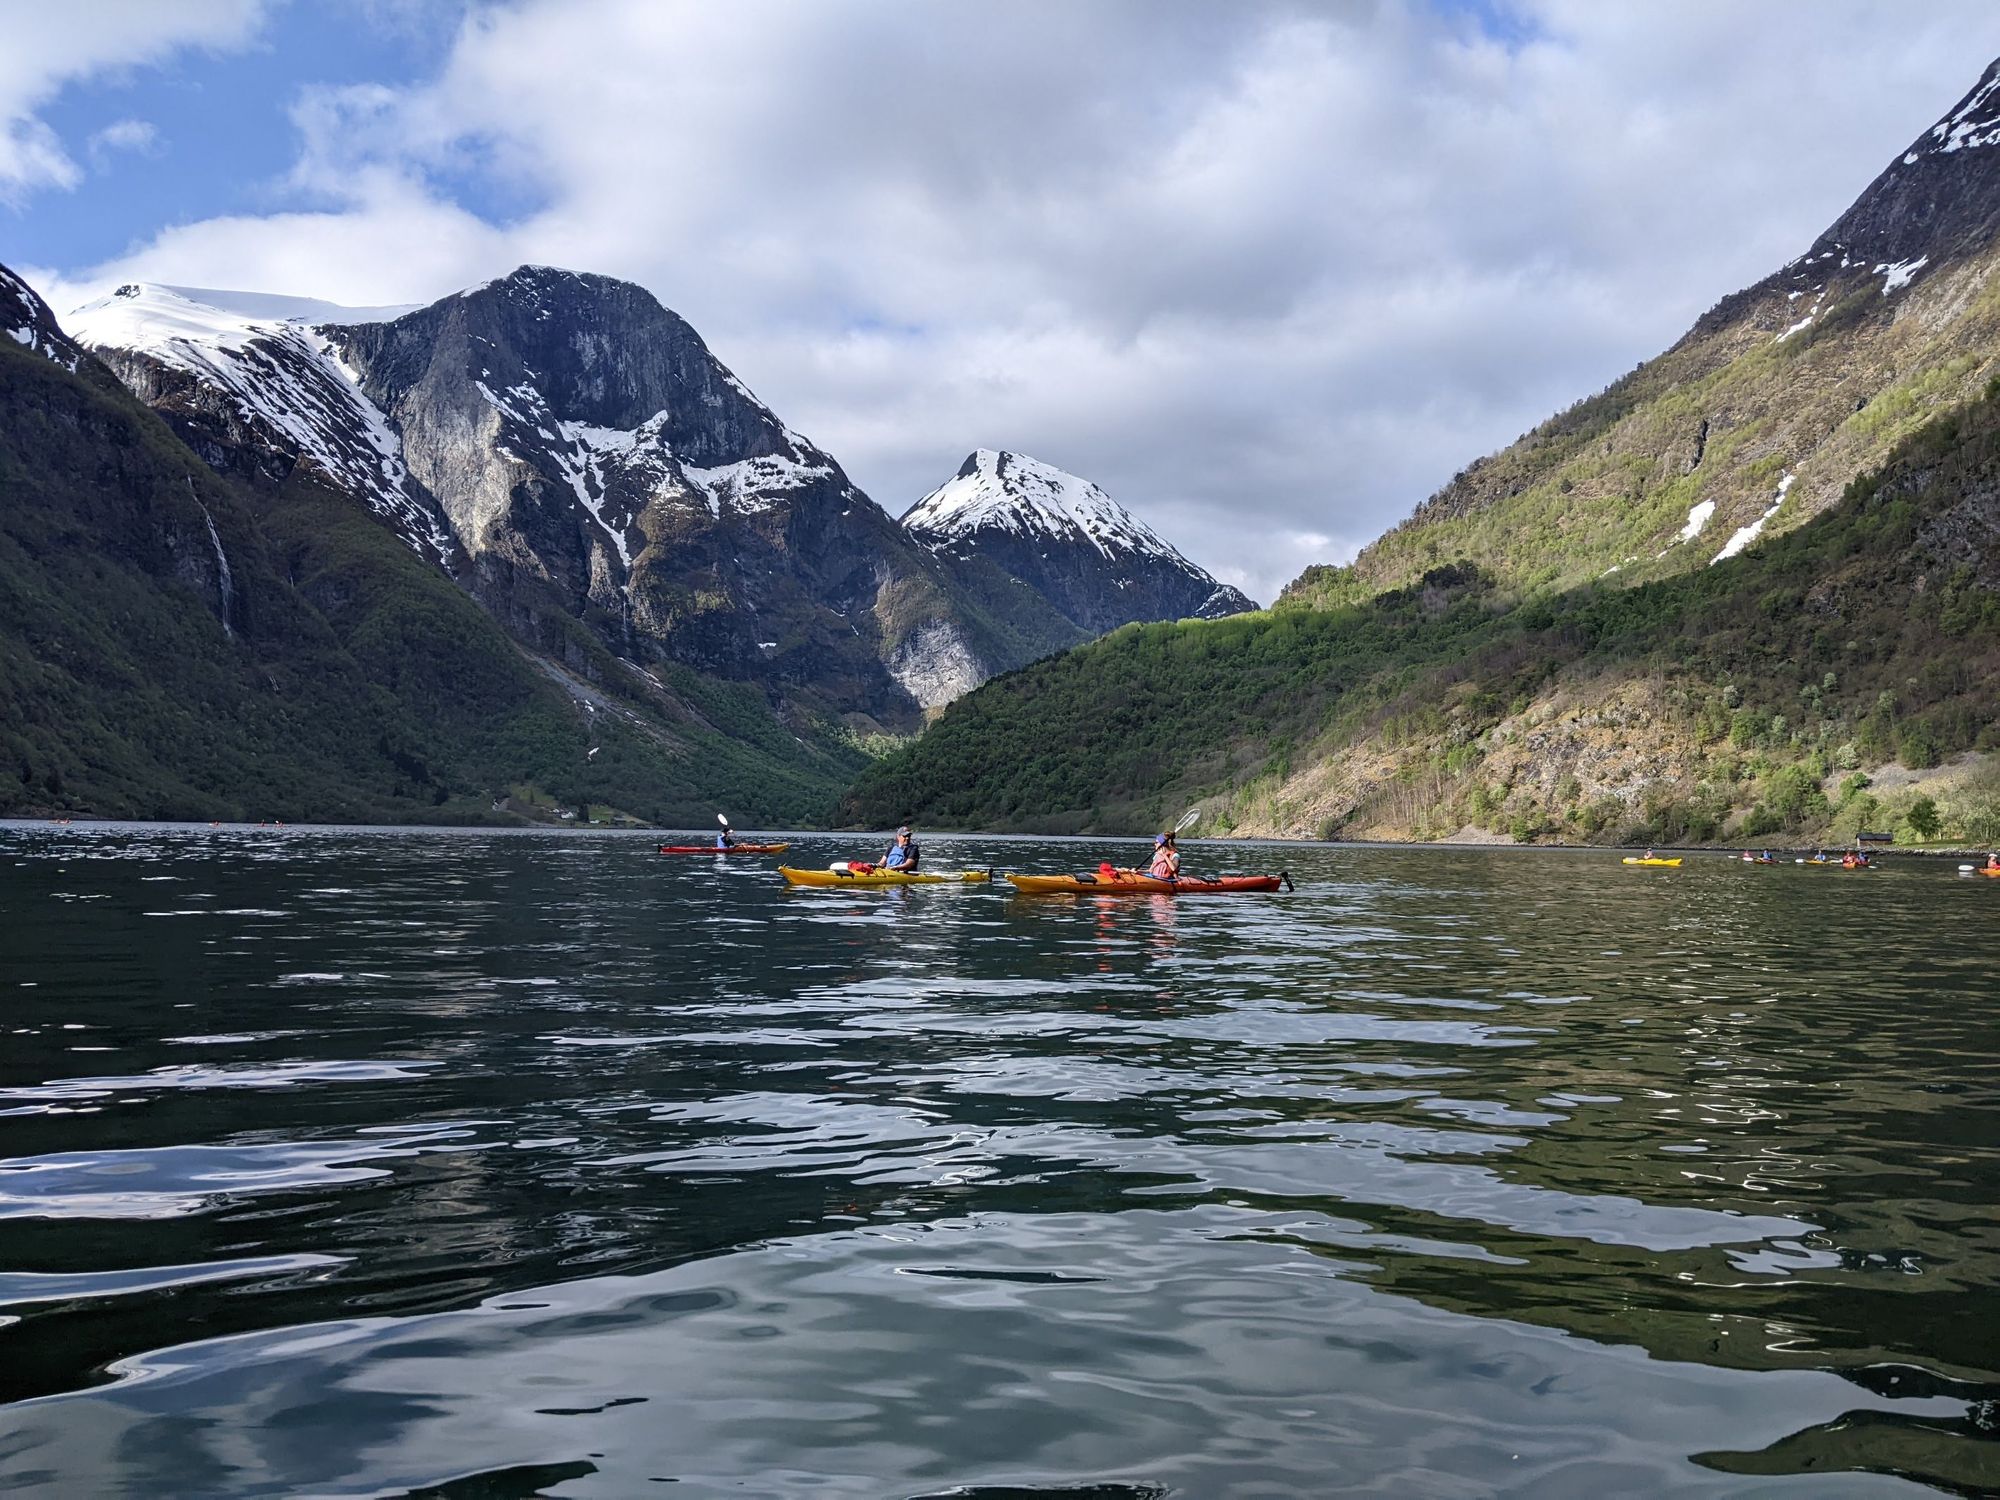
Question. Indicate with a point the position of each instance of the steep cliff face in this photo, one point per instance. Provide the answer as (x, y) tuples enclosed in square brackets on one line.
[(1756, 420), (1096, 563), (595, 460)]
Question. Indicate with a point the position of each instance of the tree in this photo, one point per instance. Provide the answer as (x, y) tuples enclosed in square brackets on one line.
[(1923, 818)]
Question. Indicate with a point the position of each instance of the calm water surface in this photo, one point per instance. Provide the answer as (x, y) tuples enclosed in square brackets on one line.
[(363, 1163)]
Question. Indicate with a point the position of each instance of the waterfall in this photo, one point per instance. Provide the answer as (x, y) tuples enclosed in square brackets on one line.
[(225, 584)]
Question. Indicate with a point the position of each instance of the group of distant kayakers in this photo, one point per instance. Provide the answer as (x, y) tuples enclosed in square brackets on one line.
[(906, 855)]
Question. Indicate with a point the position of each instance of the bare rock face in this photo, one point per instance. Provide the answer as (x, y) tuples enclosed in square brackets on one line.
[(1096, 563)]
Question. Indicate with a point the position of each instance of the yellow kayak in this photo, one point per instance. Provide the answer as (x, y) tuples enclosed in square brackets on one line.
[(882, 877), (1633, 859)]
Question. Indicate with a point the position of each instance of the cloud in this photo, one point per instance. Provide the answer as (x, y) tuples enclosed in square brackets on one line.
[(1267, 271), (48, 47), (139, 136)]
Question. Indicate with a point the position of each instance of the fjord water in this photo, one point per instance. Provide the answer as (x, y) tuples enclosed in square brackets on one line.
[(350, 1162)]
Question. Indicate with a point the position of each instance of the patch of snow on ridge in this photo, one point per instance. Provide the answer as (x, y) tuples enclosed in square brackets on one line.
[(1973, 124), (1900, 275), (757, 484), (1745, 535), (1698, 517), (1014, 493), (273, 307)]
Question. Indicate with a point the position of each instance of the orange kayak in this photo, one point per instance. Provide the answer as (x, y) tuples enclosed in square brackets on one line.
[(1139, 885), (732, 849)]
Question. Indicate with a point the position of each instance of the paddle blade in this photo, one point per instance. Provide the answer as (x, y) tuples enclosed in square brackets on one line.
[(723, 819), (1187, 818)]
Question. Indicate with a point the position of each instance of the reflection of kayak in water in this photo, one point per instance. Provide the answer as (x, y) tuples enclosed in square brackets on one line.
[(1667, 864), (876, 876), (1122, 885)]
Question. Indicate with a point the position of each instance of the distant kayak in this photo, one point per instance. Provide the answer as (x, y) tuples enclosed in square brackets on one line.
[(1137, 885), (732, 849), (1633, 859), (1759, 861), (883, 877)]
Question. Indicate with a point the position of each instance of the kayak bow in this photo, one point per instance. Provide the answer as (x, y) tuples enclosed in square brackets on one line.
[(882, 877), (1138, 885)]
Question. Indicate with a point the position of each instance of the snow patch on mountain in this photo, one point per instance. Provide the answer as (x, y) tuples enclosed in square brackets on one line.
[(1698, 516), (1974, 124), (1900, 275), (1743, 536), (758, 484)]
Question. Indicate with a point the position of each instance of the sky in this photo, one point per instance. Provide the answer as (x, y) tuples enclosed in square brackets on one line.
[(1268, 271)]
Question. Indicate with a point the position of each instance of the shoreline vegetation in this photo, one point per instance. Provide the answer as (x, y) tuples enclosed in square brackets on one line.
[(1839, 677), (22, 822)]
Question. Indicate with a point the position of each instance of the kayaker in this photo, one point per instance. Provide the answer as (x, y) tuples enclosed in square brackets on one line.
[(1993, 861), (903, 854), (1166, 863), (726, 839)]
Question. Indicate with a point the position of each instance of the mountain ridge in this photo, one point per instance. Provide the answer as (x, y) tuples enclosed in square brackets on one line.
[(569, 449), (1708, 601)]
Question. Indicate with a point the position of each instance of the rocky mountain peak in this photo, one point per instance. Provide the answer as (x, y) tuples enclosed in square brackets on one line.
[(26, 319), (994, 489), (1936, 203), (1096, 562), (596, 351)]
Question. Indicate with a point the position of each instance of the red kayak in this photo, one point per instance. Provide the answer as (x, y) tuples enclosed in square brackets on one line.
[(732, 849), (1138, 885)]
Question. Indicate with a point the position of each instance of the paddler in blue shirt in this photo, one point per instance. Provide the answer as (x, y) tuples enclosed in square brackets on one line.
[(902, 855)]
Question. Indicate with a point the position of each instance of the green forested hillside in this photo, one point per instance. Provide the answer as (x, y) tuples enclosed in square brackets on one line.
[(329, 676), (1741, 699)]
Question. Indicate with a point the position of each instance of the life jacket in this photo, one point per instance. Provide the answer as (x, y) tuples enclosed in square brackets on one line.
[(1162, 867)]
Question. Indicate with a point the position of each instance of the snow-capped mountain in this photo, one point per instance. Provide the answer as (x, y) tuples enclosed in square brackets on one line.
[(1098, 564), (26, 319), (572, 451), (255, 382)]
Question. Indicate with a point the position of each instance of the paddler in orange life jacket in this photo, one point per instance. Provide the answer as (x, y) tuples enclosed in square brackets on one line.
[(1166, 863)]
